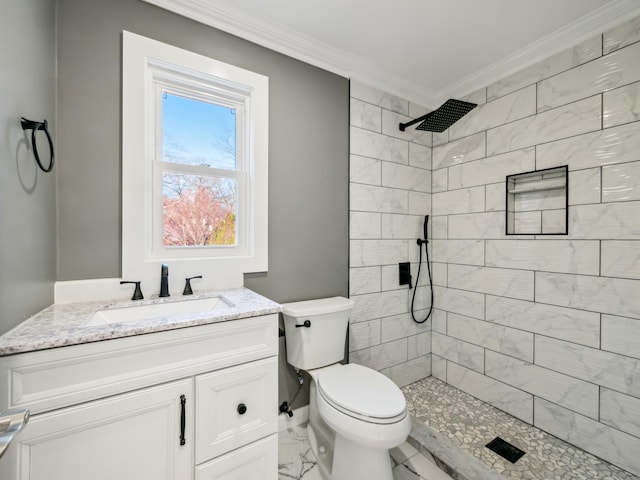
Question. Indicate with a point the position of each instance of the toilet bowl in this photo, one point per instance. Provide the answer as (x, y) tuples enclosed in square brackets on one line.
[(356, 414), (360, 415)]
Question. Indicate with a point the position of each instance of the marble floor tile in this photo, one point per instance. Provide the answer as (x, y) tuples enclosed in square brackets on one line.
[(418, 467), (296, 461)]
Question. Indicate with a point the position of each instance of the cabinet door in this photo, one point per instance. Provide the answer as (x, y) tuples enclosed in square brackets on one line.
[(132, 436), (256, 461), (236, 406)]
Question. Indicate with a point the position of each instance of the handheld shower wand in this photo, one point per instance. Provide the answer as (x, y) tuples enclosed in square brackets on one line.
[(420, 242), (425, 229)]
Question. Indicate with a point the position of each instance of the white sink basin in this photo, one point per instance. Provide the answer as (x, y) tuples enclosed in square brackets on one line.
[(144, 312)]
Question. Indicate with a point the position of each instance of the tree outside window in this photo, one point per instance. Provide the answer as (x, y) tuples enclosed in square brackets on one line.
[(198, 209)]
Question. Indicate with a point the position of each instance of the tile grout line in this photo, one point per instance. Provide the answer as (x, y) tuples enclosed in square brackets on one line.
[(602, 111)]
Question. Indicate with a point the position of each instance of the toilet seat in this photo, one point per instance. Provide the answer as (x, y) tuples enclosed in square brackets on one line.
[(362, 393)]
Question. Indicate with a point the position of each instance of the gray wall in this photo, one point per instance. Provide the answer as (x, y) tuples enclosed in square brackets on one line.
[(27, 196), (308, 150)]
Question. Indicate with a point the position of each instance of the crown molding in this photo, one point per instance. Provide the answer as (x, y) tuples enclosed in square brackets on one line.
[(290, 42), (383, 80), (254, 28), (598, 21)]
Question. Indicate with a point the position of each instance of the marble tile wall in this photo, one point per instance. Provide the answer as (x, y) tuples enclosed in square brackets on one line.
[(390, 193), (547, 328)]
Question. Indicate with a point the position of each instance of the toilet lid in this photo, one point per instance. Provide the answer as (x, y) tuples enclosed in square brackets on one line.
[(362, 390)]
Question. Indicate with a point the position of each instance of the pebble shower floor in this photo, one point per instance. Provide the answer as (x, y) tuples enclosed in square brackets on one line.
[(451, 429), (464, 425)]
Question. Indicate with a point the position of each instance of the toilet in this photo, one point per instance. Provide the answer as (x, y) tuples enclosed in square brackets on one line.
[(356, 414)]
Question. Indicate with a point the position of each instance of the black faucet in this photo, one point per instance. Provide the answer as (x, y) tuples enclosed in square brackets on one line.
[(187, 286), (164, 281), (137, 294)]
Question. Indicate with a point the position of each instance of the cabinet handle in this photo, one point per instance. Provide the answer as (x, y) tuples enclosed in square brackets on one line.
[(242, 409), (183, 418)]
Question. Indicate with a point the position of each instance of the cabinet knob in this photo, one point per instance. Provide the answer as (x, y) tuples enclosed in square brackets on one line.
[(242, 409)]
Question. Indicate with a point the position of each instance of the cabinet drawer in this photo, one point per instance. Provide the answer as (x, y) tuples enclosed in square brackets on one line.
[(51, 379), (257, 461), (235, 406)]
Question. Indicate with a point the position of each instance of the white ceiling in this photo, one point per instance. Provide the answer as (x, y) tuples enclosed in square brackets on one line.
[(423, 50)]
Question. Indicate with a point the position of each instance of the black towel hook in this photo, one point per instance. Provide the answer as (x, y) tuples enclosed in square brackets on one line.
[(34, 127)]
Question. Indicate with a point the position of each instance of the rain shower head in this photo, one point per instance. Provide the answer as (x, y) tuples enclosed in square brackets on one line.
[(442, 118)]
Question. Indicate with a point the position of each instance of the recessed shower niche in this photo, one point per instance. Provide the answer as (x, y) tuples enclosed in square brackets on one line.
[(538, 202)]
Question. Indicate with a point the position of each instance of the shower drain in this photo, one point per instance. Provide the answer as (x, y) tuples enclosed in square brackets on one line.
[(505, 449)]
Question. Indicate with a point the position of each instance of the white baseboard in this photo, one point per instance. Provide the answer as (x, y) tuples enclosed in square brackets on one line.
[(300, 416)]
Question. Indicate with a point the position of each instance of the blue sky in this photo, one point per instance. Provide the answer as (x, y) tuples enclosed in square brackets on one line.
[(192, 130)]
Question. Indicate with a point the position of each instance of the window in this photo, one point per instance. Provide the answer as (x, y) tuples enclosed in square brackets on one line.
[(199, 172), (194, 165)]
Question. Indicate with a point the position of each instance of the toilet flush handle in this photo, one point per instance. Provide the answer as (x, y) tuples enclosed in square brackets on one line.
[(307, 323)]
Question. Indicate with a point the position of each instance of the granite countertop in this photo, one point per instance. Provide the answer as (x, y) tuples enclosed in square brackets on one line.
[(67, 324)]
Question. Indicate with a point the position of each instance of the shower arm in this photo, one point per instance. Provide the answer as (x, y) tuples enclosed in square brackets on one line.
[(403, 126)]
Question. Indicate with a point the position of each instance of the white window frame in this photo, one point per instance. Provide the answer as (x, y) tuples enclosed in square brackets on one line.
[(147, 66)]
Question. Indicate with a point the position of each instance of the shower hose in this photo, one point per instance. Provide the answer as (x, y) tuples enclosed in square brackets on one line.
[(415, 288)]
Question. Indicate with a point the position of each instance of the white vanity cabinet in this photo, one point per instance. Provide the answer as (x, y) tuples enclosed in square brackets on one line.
[(132, 435), (116, 408)]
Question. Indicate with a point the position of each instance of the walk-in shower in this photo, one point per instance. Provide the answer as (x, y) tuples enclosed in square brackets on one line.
[(436, 121)]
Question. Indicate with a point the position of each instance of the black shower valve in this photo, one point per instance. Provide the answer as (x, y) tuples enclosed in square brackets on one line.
[(404, 277)]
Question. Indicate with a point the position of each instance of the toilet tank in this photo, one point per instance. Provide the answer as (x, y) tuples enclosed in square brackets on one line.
[(323, 341)]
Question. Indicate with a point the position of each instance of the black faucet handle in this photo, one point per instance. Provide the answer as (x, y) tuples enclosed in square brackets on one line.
[(137, 293), (187, 286)]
